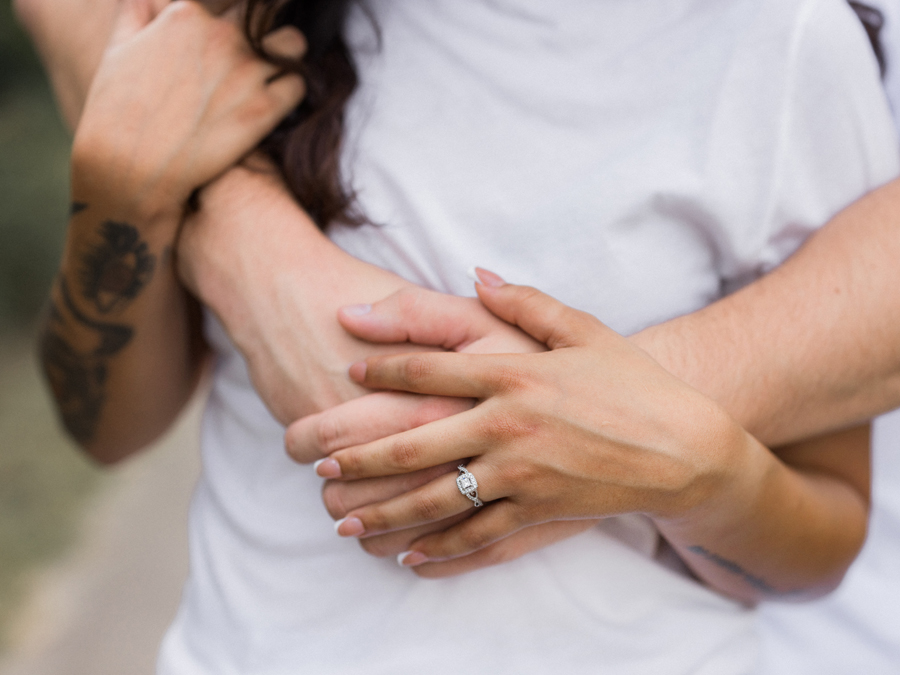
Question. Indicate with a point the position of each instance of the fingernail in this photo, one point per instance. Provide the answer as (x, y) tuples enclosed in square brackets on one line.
[(349, 527), (357, 310), (357, 371), (328, 468), (488, 278), (411, 558)]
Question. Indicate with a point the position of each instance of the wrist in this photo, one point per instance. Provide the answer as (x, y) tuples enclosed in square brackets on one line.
[(95, 188), (735, 470), (114, 186)]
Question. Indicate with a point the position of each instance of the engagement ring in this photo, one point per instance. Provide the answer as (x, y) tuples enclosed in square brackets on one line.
[(467, 485)]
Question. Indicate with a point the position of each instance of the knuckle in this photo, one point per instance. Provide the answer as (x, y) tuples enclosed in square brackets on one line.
[(526, 472), (415, 369), (474, 538), (426, 508), (529, 295), (523, 515), (405, 454), (407, 301), (351, 463), (333, 497), (503, 426), (376, 521), (508, 378), (293, 444), (257, 109), (328, 433), (181, 11)]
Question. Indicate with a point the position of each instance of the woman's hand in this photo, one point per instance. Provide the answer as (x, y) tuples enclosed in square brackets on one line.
[(177, 99), (594, 427), (460, 324), (784, 529)]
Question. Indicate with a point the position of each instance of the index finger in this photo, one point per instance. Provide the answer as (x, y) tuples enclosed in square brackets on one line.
[(450, 439), (442, 373)]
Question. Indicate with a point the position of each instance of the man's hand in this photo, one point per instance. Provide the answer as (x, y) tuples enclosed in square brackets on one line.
[(257, 260)]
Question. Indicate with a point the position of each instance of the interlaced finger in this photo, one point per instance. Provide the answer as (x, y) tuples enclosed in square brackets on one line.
[(442, 373), (286, 42), (450, 439), (439, 499), (544, 318), (492, 524), (391, 544), (341, 497), (530, 538), (365, 419)]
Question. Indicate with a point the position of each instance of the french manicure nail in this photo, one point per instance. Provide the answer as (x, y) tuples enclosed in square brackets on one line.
[(349, 527), (328, 468), (488, 278), (411, 558), (357, 310)]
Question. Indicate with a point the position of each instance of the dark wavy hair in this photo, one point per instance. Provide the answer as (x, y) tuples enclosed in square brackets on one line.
[(306, 146)]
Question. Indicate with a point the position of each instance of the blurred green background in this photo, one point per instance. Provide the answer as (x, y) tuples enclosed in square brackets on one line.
[(44, 480)]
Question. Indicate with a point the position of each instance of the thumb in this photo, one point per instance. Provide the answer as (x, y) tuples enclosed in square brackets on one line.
[(419, 316), (545, 319)]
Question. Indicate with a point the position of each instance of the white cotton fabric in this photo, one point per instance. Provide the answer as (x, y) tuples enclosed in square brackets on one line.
[(633, 158), (856, 629)]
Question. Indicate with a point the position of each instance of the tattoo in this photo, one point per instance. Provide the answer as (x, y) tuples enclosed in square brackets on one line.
[(77, 207), (75, 349), (113, 337), (756, 582), (78, 378), (117, 269)]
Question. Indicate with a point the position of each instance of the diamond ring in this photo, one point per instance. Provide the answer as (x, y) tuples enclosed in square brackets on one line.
[(467, 485)]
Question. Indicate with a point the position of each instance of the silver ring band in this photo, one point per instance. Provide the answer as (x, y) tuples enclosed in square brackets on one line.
[(468, 486)]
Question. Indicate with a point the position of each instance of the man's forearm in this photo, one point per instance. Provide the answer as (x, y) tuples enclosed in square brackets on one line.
[(812, 347)]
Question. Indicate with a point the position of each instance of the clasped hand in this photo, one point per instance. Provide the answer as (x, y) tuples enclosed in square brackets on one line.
[(593, 427)]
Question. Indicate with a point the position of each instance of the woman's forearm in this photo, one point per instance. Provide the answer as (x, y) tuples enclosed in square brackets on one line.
[(788, 533), (117, 342), (119, 345), (813, 346), (596, 428)]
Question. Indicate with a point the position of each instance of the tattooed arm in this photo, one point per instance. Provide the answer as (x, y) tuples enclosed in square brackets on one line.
[(119, 344), (98, 319)]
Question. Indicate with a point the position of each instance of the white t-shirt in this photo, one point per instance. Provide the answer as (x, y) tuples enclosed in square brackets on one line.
[(631, 157), (856, 629)]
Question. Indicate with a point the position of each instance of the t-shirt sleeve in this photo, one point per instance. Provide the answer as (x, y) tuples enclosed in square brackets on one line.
[(837, 140), (816, 124)]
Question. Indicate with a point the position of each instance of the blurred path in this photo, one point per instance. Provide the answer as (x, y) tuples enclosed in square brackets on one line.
[(103, 609)]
